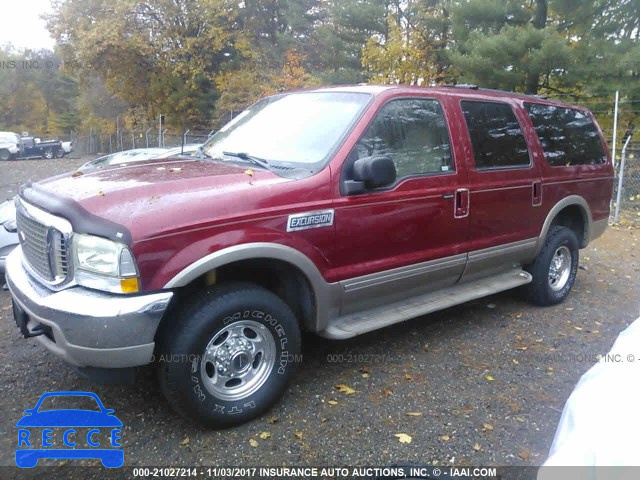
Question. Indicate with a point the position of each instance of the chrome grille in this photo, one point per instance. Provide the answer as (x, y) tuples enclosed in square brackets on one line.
[(44, 247)]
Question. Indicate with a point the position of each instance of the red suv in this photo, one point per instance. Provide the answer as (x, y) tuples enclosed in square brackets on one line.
[(337, 211)]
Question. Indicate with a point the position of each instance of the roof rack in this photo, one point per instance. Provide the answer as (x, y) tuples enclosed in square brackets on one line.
[(468, 86)]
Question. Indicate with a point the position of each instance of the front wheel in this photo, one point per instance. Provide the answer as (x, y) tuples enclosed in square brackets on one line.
[(5, 155), (554, 269), (229, 354)]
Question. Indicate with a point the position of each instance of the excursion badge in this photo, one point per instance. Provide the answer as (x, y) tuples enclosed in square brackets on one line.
[(306, 220)]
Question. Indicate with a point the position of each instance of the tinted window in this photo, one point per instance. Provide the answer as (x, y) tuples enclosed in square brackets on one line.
[(568, 136), (496, 136), (413, 132)]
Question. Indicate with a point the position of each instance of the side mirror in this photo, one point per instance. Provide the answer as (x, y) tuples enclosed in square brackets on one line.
[(371, 172)]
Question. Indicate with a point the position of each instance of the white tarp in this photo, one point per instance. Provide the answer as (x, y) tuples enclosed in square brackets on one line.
[(600, 424)]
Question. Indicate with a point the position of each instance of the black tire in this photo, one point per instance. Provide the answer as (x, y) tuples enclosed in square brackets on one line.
[(48, 154), (60, 153), (191, 381), (5, 155), (552, 283)]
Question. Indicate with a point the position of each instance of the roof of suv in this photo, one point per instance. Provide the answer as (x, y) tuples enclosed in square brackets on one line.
[(456, 90)]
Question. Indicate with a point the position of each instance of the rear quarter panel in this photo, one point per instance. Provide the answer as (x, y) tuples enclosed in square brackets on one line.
[(594, 183)]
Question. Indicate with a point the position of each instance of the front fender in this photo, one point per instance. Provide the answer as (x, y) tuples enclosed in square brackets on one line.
[(325, 295)]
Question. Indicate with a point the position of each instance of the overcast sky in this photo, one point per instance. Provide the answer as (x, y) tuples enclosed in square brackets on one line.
[(22, 26)]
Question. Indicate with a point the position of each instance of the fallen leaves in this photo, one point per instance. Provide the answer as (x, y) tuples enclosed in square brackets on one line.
[(273, 420), (444, 438), (489, 378), (332, 402), (249, 172), (185, 441), (253, 442), (264, 435), (413, 414), (407, 376), (346, 389), (386, 391), (524, 455), (77, 173), (476, 447), (403, 437), (298, 435), (175, 169), (487, 426)]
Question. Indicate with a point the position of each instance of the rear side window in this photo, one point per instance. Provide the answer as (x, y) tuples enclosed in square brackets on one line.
[(496, 136), (568, 136)]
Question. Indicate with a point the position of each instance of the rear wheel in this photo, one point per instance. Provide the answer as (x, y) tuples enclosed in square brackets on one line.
[(5, 155), (229, 355), (554, 269), (48, 154), (60, 153)]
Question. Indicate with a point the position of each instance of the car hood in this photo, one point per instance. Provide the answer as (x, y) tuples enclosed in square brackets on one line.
[(157, 196), (69, 418)]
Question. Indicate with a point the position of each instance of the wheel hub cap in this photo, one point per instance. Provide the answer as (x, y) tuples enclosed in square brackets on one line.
[(238, 360), (560, 268)]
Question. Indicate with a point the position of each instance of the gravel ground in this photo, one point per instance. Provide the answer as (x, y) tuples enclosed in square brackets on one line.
[(479, 384)]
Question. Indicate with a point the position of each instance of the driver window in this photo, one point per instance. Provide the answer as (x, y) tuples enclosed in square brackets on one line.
[(413, 133)]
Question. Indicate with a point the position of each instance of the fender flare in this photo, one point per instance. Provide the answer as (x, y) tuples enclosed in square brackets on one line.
[(562, 204), (326, 295)]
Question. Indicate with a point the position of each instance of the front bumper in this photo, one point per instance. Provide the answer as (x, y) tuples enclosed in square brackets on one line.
[(88, 328)]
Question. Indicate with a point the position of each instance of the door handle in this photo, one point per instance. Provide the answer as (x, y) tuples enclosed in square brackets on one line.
[(536, 193), (461, 205), (447, 196)]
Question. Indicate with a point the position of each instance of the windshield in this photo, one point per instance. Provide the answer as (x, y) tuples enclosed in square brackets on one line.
[(302, 128)]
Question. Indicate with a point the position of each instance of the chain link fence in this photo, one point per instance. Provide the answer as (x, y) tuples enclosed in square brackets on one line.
[(103, 144), (626, 196)]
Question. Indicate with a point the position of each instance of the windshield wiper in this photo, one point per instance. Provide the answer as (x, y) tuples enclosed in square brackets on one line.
[(249, 158)]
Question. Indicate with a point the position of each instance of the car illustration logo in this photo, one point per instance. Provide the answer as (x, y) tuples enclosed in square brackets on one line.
[(84, 433)]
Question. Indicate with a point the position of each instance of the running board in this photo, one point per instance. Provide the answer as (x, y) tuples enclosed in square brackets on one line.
[(369, 320)]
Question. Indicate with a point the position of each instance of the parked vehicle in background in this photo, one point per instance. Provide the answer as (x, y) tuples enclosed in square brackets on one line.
[(189, 150), (31, 147), (126, 156), (9, 145), (140, 154), (16, 147), (337, 211), (8, 233), (67, 147)]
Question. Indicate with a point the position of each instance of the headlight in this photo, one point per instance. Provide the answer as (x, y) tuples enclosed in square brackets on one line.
[(104, 265)]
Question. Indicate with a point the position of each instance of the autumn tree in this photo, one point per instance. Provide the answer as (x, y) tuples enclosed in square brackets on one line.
[(413, 51), (164, 55)]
